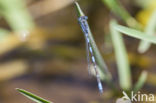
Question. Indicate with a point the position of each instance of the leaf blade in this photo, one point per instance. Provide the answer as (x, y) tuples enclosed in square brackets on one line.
[(121, 58), (150, 30), (119, 10), (135, 33), (32, 96), (99, 60), (141, 81)]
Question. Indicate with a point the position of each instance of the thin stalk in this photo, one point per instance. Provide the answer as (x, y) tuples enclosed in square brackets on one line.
[(120, 11), (32, 96), (135, 33), (121, 58), (141, 81), (149, 30), (98, 57)]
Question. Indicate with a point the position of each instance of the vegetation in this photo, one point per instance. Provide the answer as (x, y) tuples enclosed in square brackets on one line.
[(20, 22)]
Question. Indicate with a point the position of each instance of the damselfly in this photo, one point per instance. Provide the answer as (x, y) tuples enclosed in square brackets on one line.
[(90, 55)]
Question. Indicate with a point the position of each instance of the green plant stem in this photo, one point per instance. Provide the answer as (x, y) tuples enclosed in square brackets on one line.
[(98, 57), (141, 81), (118, 10), (136, 34), (32, 96), (149, 30), (121, 58)]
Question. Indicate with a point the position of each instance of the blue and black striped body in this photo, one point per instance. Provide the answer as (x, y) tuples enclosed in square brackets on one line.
[(85, 28)]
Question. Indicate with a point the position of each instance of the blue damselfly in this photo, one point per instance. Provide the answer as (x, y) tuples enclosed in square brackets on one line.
[(90, 55)]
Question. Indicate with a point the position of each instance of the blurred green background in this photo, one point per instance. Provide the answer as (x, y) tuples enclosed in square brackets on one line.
[(44, 51)]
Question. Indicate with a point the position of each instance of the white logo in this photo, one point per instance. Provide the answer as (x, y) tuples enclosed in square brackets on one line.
[(138, 97)]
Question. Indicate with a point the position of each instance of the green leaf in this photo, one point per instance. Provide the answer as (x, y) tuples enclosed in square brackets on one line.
[(32, 96), (120, 11), (141, 81), (121, 58), (135, 33), (150, 30), (116, 8), (98, 57), (79, 11)]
